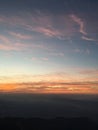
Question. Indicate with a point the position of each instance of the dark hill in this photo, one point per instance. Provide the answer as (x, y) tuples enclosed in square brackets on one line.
[(47, 124)]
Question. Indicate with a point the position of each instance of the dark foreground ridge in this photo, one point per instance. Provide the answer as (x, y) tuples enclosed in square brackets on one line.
[(47, 124)]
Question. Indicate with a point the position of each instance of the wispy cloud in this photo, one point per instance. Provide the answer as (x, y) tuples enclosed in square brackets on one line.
[(59, 82), (20, 36), (8, 44), (11, 47), (39, 59), (87, 38), (82, 51), (50, 32), (89, 75), (43, 23), (59, 77), (60, 54), (18, 46), (82, 28), (4, 39), (77, 50), (37, 22), (60, 26), (52, 77), (89, 71), (80, 22)]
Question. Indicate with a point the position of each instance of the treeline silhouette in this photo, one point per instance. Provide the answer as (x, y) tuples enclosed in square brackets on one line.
[(47, 124)]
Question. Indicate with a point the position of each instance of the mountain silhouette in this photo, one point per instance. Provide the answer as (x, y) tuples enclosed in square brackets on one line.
[(59, 123)]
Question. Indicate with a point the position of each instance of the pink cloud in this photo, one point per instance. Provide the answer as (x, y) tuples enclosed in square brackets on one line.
[(89, 72), (18, 46), (80, 22), (48, 31), (7, 43), (11, 46), (45, 24), (41, 23), (4, 39)]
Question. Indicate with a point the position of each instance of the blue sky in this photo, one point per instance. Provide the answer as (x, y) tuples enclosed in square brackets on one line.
[(48, 37)]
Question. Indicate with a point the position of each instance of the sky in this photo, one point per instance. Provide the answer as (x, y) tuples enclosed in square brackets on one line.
[(49, 46)]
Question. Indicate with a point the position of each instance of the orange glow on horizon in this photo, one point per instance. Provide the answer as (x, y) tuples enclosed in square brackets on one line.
[(47, 88)]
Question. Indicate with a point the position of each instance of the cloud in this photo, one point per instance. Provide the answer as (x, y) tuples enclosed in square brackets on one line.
[(89, 71), (81, 51), (18, 46), (60, 82), (40, 59), (82, 28), (58, 77), (89, 75), (4, 39), (41, 26), (87, 38), (50, 32), (52, 77), (7, 48), (46, 25), (57, 54), (80, 22), (37, 22), (59, 26), (21, 36), (8, 44), (78, 50), (13, 47), (48, 87)]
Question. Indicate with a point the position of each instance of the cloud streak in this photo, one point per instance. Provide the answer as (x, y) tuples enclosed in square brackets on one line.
[(87, 38), (18, 46), (47, 87), (10, 44), (4, 39), (89, 72), (80, 22), (20, 36), (45, 24), (60, 82), (82, 28)]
